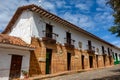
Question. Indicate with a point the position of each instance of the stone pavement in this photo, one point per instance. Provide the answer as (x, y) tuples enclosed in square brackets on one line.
[(109, 73)]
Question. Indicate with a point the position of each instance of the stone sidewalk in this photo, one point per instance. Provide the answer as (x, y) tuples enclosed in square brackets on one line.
[(109, 73)]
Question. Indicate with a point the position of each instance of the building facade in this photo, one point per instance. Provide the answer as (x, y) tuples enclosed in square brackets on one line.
[(60, 45), (14, 57)]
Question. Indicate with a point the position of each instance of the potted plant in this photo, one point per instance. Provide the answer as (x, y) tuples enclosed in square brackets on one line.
[(25, 74)]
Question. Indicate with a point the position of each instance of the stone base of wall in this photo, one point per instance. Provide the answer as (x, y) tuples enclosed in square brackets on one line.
[(59, 58)]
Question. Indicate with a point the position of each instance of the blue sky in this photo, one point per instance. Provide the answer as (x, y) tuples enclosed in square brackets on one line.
[(92, 15)]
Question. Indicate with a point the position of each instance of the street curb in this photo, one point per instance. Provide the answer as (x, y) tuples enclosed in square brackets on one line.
[(39, 77)]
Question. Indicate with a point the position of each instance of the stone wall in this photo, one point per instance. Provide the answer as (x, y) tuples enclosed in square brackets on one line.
[(59, 58)]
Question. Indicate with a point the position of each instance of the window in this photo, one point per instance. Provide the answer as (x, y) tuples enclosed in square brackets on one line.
[(89, 45), (113, 55), (68, 36), (108, 51), (103, 51), (49, 30)]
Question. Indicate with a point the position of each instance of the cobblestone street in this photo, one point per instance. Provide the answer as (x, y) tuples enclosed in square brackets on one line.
[(109, 73)]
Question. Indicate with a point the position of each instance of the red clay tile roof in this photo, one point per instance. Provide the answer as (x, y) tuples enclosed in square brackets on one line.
[(6, 39)]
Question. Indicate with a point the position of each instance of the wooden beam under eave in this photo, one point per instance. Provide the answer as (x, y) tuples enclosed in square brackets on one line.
[(54, 18), (46, 15), (51, 17), (34, 8), (43, 13), (59, 20), (40, 11), (37, 10)]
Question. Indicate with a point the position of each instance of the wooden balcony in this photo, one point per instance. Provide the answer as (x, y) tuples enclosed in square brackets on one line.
[(69, 43), (49, 37), (91, 49), (105, 53)]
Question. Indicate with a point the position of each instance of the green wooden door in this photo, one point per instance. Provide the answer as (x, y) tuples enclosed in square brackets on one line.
[(116, 59)]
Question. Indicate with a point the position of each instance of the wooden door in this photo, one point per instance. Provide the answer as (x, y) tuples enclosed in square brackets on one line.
[(103, 51), (104, 59), (82, 61), (68, 61), (89, 45), (116, 57), (15, 68), (91, 61), (68, 36), (97, 60), (49, 30), (48, 60)]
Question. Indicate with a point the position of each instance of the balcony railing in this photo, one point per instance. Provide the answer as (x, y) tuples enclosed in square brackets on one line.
[(105, 53), (90, 49), (49, 37), (69, 42)]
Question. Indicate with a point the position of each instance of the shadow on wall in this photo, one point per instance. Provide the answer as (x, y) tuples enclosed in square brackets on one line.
[(34, 65)]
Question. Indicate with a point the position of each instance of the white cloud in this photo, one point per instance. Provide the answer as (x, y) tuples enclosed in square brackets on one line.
[(80, 20), (102, 6), (8, 8), (104, 18), (60, 4), (101, 3), (82, 6), (99, 9), (48, 5)]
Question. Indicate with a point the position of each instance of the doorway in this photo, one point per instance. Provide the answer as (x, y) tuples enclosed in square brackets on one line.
[(110, 60), (89, 45), (15, 68), (48, 60), (49, 30), (97, 60), (68, 36), (68, 61), (104, 59), (116, 57), (82, 61), (91, 61)]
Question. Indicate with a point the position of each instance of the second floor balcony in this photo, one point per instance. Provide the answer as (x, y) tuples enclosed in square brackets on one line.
[(90, 49), (69, 43), (49, 37), (105, 53)]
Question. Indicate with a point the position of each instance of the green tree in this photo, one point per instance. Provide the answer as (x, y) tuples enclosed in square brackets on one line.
[(115, 5)]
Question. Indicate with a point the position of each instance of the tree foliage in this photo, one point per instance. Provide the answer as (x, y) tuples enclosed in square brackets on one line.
[(115, 5)]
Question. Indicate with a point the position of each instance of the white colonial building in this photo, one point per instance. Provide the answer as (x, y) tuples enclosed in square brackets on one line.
[(69, 47)]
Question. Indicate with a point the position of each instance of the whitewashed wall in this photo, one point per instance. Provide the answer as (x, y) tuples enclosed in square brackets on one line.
[(5, 61), (31, 24), (118, 53), (39, 25), (22, 27)]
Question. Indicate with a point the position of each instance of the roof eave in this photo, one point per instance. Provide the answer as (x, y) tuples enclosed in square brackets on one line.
[(11, 46), (32, 6)]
